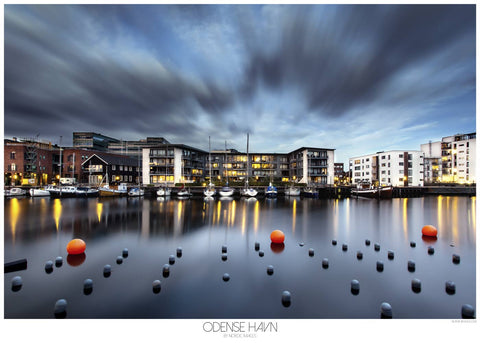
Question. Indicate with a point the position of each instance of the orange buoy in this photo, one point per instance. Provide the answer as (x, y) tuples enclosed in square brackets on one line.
[(429, 230), (277, 236), (76, 246)]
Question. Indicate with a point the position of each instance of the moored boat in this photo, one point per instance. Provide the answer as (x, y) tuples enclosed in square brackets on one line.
[(136, 192), (86, 192), (183, 192), (63, 192), (271, 191), (226, 191), (106, 191), (39, 192), (248, 191), (16, 191), (164, 192), (292, 191), (367, 190), (310, 192), (210, 191)]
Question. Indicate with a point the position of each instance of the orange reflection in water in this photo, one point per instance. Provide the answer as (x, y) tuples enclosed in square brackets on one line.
[(455, 219), (294, 214), (57, 212), (99, 211), (473, 214), (256, 211), (439, 212), (244, 218), (405, 216), (234, 209), (14, 213)]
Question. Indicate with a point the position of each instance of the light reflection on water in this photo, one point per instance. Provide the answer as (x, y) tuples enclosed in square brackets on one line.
[(153, 227)]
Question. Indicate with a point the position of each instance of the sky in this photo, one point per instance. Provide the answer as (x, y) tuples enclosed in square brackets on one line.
[(354, 78)]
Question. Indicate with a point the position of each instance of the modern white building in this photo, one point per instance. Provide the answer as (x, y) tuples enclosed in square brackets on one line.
[(432, 171), (398, 168), (458, 158), (450, 160), (178, 163)]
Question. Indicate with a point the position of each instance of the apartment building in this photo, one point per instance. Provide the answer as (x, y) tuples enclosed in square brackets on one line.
[(395, 167), (175, 163), (92, 140), (458, 158), (450, 160)]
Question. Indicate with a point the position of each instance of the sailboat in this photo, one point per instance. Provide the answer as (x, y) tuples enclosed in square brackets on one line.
[(226, 191), (183, 192), (164, 191), (292, 191), (137, 191), (309, 191), (271, 191), (210, 190), (248, 191), (106, 191)]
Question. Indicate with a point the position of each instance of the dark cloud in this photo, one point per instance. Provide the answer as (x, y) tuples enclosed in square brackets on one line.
[(53, 80), (345, 61), (185, 72)]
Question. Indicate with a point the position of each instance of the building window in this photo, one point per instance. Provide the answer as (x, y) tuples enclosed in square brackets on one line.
[(12, 155), (120, 168), (114, 167), (400, 155), (400, 163)]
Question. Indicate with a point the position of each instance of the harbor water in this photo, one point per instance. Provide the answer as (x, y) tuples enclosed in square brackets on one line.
[(317, 264)]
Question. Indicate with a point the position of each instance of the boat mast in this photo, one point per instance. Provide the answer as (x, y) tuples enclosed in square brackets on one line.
[(226, 164), (138, 171), (60, 169), (209, 162), (246, 183)]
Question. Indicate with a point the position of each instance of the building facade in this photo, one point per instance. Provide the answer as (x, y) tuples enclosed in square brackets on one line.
[(395, 167), (30, 162), (458, 158), (92, 141), (432, 170), (172, 163), (177, 163), (101, 168), (134, 148), (451, 160)]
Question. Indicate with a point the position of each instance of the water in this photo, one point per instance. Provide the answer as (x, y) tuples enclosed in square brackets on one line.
[(152, 229)]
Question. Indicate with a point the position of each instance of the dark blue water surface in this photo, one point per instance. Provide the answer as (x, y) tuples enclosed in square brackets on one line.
[(152, 229)]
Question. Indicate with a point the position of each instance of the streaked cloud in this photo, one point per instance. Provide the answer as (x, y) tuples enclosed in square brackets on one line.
[(357, 78)]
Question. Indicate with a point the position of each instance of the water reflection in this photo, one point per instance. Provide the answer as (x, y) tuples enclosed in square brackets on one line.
[(152, 229), (57, 212), (177, 217), (99, 211), (14, 214)]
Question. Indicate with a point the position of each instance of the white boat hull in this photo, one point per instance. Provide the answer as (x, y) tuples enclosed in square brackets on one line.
[(163, 192), (292, 191), (136, 192), (226, 192), (249, 192), (184, 193), (209, 192), (39, 192), (15, 192)]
